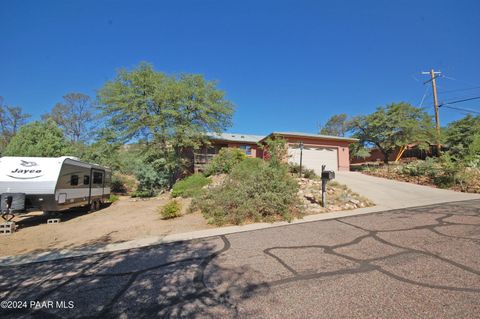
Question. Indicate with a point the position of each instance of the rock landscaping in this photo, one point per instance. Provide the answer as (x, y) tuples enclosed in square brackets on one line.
[(339, 197)]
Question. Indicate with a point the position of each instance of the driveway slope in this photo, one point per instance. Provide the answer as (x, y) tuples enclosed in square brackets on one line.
[(391, 194)]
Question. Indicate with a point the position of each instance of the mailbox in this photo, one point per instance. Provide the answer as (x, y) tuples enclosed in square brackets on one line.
[(328, 175)]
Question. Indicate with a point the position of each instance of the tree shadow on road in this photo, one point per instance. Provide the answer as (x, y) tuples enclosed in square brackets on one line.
[(166, 281)]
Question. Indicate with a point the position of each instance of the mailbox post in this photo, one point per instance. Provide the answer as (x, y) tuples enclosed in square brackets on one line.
[(301, 157), (326, 176)]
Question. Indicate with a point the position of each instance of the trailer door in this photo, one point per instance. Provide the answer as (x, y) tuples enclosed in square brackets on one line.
[(97, 184)]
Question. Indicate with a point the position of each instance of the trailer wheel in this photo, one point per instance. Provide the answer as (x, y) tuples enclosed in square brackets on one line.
[(94, 206)]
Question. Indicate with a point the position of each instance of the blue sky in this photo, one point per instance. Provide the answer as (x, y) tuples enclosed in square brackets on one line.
[(286, 65)]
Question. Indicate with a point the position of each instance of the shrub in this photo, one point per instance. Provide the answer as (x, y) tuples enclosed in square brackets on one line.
[(118, 185), (294, 168), (113, 198), (171, 210), (146, 193), (254, 191), (224, 161), (150, 180), (244, 169), (309, 173), (275, 151), (191, 186)]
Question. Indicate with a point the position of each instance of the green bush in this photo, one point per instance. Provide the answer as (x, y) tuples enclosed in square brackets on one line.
[(276, 151), (150, 180), (294, 168), (143, 194), (171, 210), (429, 167), (113, 198), (191, 186), (224, 161), (444, 181), (118, 185), (309, 173), (245, 168), (254, 191)]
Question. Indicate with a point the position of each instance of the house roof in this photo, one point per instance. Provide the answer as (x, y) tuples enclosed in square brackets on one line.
[(235, 137), (318, 136)]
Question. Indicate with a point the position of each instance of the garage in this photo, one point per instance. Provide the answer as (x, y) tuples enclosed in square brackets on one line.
[(313, 157), (318, 150)]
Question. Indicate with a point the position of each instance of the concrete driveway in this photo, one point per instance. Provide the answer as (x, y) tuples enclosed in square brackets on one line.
[(391, 194), (410, 263)]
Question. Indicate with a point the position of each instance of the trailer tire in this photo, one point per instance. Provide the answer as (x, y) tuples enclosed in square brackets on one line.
[(94, 206)]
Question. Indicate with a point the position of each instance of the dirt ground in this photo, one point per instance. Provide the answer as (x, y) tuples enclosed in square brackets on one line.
[(131, 218), (123, 220)]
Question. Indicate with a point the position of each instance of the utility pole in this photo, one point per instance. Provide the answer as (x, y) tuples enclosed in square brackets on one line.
[(433, 75)]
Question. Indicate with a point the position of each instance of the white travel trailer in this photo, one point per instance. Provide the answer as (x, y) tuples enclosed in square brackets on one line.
[(51, 184)]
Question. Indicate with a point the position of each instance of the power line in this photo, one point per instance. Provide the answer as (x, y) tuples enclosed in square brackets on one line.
[(468, 83), (459, 101), (459, 90), (460, 109), (424, 96)]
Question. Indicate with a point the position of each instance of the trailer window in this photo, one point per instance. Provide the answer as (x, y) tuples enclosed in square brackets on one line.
[(86, 180), (74, 180), (97, 178)]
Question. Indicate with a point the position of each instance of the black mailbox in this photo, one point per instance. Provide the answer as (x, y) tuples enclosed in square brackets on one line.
[(328, 175)]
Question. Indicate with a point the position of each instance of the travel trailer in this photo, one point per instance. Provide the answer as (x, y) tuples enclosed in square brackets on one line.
[(51, 184)]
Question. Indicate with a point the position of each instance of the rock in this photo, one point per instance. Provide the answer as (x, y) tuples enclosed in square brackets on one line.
[(354, 201)]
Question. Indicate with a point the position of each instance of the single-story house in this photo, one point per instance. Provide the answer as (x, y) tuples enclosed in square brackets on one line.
[(316, 150)]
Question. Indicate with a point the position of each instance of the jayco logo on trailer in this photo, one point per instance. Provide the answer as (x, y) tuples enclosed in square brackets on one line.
[(26, 173)]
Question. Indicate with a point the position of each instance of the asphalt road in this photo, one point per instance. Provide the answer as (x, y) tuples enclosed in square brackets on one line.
[(419, 262)]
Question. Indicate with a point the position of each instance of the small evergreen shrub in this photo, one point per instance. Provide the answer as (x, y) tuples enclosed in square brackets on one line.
[(118, 185), (113, 198), (143, 194), (150, 180), (309, 173), (190, 186), (224, 161), (171, 210), (254, 191), (294, 168)]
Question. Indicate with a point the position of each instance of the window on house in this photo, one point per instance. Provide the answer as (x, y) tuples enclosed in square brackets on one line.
[(86, 180), (247, 149), (74, 180)]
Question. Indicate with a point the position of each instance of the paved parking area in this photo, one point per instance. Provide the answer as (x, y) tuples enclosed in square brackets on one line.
[(419, 262)]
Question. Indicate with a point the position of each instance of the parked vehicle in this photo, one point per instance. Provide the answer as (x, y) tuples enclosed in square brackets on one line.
[(51, 184)]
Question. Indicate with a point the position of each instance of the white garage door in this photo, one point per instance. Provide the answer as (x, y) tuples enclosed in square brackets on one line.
[(314, 157)]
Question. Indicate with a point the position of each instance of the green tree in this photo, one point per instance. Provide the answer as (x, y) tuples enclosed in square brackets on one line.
[(460, 134), (473, 153), (104, 151), (11, 119), (170, 114), (392, 126), (74, 115), (43, 139), (337, 125)]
